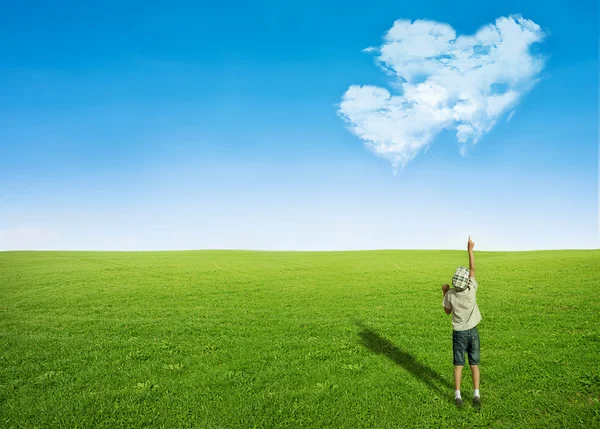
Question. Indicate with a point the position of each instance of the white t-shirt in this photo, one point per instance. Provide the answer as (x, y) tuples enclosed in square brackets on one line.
[(465, 312)]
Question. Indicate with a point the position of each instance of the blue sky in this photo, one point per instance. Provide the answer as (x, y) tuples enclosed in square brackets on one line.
[(191, 126)]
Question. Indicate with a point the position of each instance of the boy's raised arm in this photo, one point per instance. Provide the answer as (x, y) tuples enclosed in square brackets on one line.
[(470, 246)]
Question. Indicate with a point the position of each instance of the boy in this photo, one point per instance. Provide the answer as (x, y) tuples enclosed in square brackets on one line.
[(461, 301)]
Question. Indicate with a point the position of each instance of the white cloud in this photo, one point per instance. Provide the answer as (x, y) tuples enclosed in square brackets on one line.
[(444, 81), (28, 238)]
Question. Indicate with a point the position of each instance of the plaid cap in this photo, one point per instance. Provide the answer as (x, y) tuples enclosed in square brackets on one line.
[(460, 279)]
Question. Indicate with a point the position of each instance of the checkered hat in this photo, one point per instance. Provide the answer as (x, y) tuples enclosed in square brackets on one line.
[(460, 279)]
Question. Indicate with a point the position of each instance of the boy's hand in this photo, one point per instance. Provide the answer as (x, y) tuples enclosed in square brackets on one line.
[(445, 289), (470, 244)]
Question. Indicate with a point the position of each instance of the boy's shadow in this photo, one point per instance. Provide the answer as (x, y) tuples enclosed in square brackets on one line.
[(380, 345)]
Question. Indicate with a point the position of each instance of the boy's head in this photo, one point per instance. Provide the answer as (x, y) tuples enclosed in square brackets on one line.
[(460, 279)]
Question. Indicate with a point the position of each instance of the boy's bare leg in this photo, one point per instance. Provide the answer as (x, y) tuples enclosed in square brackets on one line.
[(476, 397), (458, 376), (475, 372)]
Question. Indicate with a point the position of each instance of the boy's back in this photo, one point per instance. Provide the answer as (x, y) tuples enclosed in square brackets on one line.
[(465, 312)]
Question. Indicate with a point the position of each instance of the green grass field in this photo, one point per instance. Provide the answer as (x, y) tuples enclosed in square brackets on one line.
[(224, 339)]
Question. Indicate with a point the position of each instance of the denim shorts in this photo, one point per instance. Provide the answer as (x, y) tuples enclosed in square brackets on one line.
[(465, 342)]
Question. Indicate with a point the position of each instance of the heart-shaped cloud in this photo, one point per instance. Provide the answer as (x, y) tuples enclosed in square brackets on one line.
[(443, 81)]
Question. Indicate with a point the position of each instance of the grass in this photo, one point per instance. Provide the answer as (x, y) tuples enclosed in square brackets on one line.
[(218, 339)]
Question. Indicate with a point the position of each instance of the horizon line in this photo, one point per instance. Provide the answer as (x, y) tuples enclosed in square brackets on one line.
[(297, 251)]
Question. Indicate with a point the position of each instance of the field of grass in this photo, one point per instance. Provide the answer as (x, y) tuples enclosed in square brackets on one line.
[(219, 339)]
